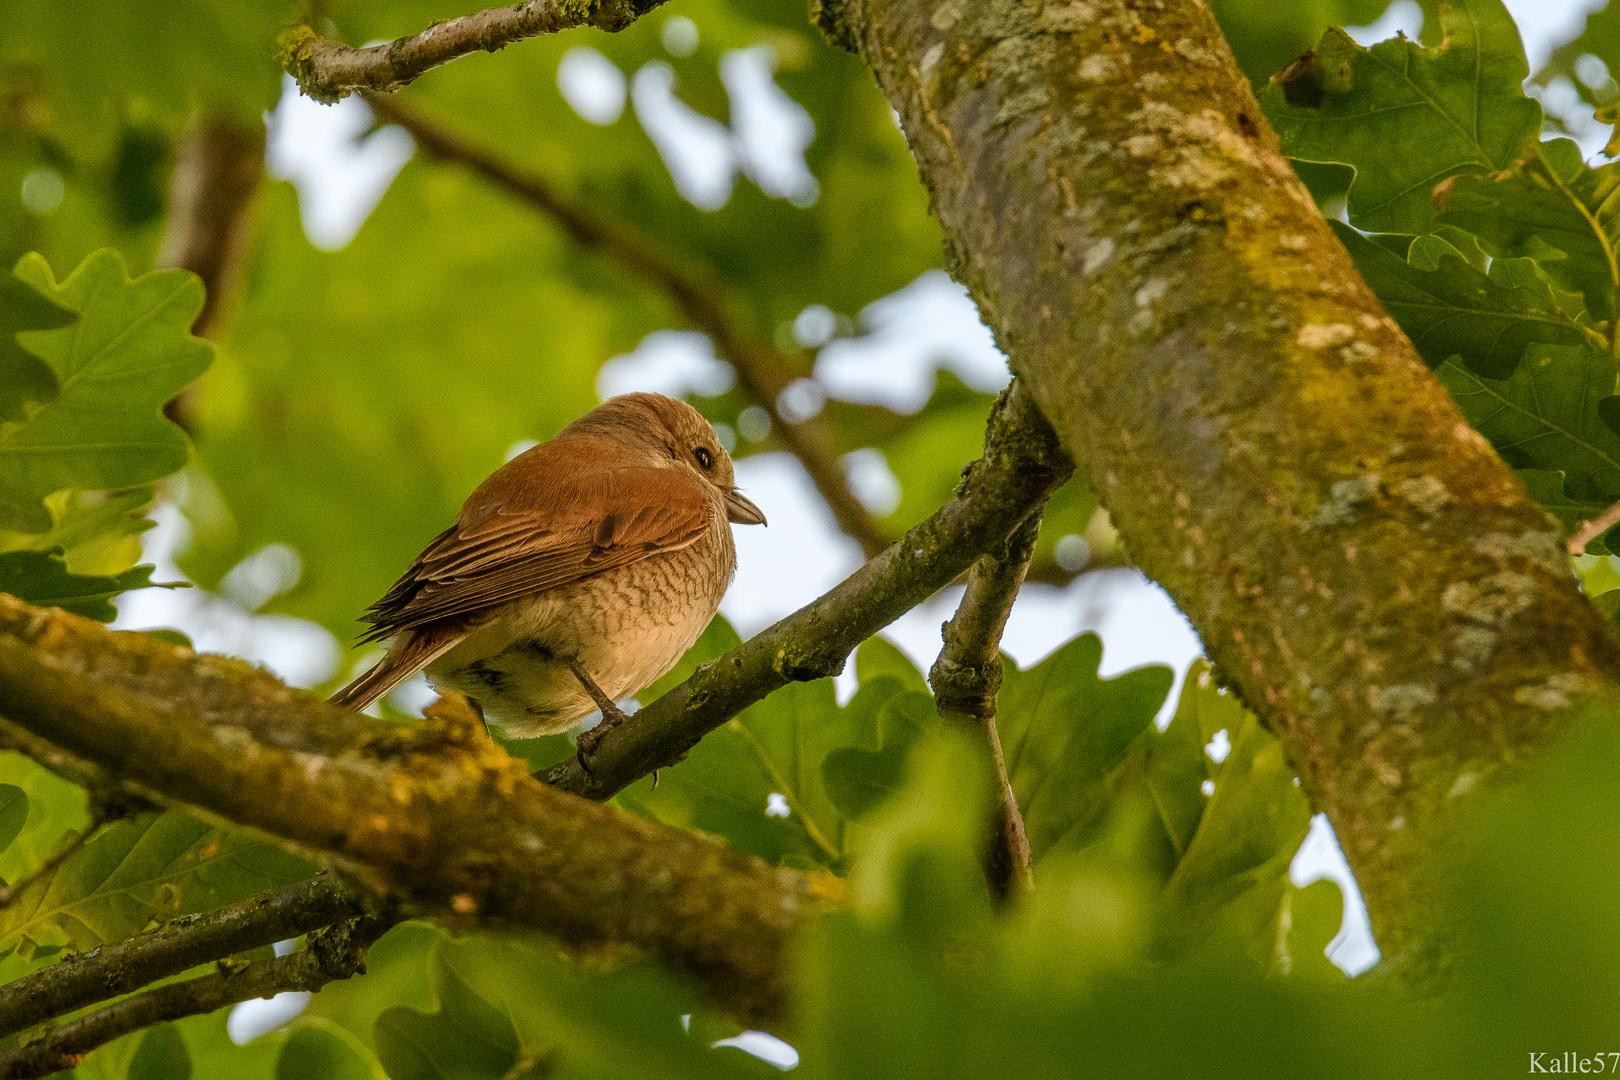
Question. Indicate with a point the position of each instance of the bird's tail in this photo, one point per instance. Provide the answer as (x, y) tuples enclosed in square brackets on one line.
[(405, 659)]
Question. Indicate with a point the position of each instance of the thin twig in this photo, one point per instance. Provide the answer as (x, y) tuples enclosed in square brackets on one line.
[(219, 163), (1021, 467), (80, 981), (762, 371), (966, 679), (336, 952), (1587, 531), (329, 71)]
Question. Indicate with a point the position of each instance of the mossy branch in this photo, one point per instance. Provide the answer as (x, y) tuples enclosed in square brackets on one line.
[(329, 71), (121, 967), (336, 952), (436, 818)]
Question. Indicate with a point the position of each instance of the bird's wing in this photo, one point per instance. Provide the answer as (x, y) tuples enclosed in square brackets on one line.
[(522, 537)]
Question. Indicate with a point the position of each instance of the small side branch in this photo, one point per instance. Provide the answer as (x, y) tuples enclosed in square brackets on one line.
[(1022, 465), (1588, 531), (966, 679), (762, 371), (176, 946), (335, 953), (329, 71)]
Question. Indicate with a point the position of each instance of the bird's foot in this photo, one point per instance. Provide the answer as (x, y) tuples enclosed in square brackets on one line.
[(612, 717), (587, 741)]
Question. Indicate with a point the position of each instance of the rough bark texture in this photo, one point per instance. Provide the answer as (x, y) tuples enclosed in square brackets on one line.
[(436, 817), (1359, 564)]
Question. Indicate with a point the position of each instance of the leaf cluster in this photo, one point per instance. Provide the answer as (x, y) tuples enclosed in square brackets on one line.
[(1494, 250)]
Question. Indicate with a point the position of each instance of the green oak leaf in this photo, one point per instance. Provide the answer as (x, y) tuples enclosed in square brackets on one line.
[(154, 1053), (465, 1038), (780, 746), (130, 352), (1308, 921), (43, 579), (56, 808), (859, 778), (13, 813), (775, 747), (1454, 309), (154, 866), (1553, 209), (1064, 730), (509, 1012), (918, 865), (1265, 35), (24, 377), (1407, 118), (1232, 877), (876, 657), (1548, 415), (98, 532), (319, 1048)]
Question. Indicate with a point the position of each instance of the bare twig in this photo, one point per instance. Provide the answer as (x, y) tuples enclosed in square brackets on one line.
[(216, 178), (336, 952), (1587, 531), (209, 225), (1022, 465), (111, 970), (966, 679), (762, 371), (329, 71)]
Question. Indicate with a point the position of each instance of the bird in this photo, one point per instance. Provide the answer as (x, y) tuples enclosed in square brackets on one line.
[(577, 574)]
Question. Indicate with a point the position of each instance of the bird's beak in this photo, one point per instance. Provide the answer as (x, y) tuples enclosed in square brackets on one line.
[(742, 511)]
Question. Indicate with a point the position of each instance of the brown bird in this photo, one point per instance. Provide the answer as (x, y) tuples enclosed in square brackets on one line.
[(575, 575)]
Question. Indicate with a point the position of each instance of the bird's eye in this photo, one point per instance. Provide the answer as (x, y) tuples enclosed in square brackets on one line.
[(704, 458)]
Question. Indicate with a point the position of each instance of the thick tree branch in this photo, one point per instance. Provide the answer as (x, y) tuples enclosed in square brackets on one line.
[(1022, 465), (1361, 567), (966, 679), (436, 817), (174, 947), (762, 371), (336, 952), (329, 71)]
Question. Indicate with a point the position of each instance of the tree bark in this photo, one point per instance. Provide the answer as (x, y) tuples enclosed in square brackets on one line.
[(436, 817), (1361, 567)]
